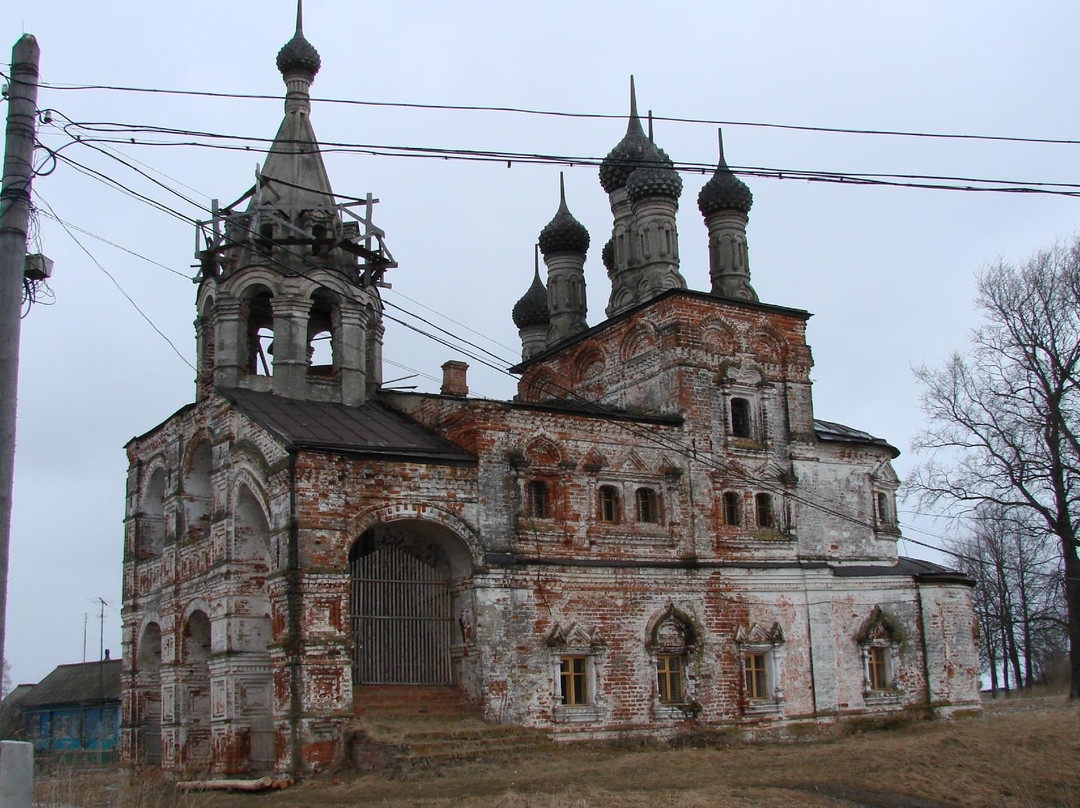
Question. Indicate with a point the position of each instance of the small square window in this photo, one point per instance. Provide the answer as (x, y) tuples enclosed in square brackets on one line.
[(574, 680), (669, 678), (609, 504), (647, 510), (757, 676)]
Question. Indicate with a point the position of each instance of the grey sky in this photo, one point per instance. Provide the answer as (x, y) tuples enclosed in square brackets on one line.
[(888, 273)]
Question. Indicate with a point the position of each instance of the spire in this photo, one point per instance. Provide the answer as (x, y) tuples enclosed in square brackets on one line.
[(294, 159), (724, 191), (633, 126), (564, 233), (633, 150), (725, 202)]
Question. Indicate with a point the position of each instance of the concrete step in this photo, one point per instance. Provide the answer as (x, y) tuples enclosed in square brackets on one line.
[(410, 726)]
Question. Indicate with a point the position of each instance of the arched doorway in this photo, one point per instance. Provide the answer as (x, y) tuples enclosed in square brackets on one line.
[(403, 576), (148, 695)]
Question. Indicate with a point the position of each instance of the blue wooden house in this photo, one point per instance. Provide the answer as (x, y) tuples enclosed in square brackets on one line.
[(75, 711)]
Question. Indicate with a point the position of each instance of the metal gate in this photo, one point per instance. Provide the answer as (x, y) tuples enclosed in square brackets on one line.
[(400, 620)]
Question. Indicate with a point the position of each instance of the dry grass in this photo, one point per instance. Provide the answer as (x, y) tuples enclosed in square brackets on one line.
[(1024, 752)]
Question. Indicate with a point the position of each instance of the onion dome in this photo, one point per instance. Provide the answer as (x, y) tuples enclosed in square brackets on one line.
[(651, 182), (298, 53), (607, 255), (564, 233), (532, 309), (724, 191), (635, 149)]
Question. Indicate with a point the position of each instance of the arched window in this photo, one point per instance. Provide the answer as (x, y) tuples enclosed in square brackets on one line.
[(732, 509), (670, 642), (322, 325), (609, 504), (740, 418), (647, 506), (260, 331), (764, 507), (884, 512), (537, 500)]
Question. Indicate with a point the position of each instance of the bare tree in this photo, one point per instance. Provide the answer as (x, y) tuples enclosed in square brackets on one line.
[(1004, 417), (1017, 596)]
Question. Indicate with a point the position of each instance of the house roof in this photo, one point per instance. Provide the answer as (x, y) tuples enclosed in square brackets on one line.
[(370, 429), (915, 567), (832, 432), (78, 683)]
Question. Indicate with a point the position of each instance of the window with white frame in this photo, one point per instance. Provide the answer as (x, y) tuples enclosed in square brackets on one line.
[(575, 649), (671, 641), (760, 649), (879, 640)]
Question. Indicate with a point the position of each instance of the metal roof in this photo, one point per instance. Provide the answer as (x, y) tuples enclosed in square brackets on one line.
[(915, 567), (370, 429), (832, 432), (75, 684)]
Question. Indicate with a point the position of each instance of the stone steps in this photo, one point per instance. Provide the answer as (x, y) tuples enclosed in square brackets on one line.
[(410, 726)]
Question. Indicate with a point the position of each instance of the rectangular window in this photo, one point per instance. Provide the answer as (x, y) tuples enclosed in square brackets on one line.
[(609, 504), (731, 509), (877, 668), (740, 418), (764, 510), (757, 678), (537, 502), (669, 678), (647, 510), (574, 679)]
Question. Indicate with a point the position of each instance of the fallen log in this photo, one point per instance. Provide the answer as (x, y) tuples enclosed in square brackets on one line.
[(262, 784)]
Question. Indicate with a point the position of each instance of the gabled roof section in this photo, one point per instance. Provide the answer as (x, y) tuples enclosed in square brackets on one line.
[(623, 315), (832, 432), (75, 684), (371, 429)]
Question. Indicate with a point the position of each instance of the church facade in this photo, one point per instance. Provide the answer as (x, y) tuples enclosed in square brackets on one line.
[(655, 534)]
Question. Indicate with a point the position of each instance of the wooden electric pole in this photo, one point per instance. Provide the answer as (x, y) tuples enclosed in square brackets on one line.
[(14, 219)]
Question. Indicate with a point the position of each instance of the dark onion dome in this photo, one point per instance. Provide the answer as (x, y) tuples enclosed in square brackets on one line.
[(532, 309), (648, 182), (635, 149), (298, 53), (564, 233), (607, 255), (724, 191)]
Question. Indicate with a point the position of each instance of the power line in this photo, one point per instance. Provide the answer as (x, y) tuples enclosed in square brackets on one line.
[(116, 283), (587, 407), (564, 114), (883, 179)]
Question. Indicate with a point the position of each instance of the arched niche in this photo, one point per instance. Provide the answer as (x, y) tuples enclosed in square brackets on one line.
[(198, 492), (251, 532), (195, 674), (151, 526), (148, 694)]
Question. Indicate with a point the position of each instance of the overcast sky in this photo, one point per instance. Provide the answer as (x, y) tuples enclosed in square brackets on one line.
[(888, 273)]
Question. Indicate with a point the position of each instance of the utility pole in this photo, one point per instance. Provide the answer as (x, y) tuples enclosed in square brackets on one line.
[(14, 218)]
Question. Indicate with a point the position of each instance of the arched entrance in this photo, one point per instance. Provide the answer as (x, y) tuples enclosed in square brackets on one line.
[(401, 605)]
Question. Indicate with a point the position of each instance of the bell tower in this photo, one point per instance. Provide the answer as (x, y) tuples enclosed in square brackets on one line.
[(289, 277)]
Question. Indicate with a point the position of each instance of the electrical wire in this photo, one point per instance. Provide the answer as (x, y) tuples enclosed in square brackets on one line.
[(587, 406), (896, 180), (116, 283), (712, 122)]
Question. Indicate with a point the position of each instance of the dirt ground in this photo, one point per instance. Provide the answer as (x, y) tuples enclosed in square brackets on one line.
[(1020, 752)]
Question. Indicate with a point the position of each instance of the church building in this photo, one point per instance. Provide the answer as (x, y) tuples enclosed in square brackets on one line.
[(654, 535)]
